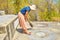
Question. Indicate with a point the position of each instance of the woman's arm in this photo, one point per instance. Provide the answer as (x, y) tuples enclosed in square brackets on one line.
[(26, 16)]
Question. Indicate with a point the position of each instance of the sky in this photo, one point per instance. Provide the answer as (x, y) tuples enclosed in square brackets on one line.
[(55, 1)]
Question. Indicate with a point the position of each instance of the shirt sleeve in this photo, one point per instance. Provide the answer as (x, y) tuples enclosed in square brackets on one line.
[(27, 9)]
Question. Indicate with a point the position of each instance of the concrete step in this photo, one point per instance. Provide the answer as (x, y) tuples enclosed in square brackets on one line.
[(20, 36)]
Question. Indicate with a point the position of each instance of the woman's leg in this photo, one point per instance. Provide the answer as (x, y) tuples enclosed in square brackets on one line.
[(22, 22)]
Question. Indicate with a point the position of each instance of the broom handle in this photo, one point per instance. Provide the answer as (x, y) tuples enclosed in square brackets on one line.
[(30, 22)]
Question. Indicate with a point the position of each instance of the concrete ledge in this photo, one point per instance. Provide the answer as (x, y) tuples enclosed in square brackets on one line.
[(2, 36), (2, 12)]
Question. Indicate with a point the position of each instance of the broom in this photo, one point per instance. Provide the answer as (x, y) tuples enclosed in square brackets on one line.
[(30, 22)]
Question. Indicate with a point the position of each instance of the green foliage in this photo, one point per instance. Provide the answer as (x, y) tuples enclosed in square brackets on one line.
[(46, 10)]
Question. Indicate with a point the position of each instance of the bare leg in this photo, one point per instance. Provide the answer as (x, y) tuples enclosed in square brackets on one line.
[(22, 22)]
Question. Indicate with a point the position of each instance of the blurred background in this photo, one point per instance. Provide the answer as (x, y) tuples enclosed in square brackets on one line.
[(47, 10)]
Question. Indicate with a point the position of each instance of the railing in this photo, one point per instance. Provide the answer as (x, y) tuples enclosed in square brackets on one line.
[(8, 24)]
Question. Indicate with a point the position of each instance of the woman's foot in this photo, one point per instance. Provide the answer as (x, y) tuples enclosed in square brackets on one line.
[(27, 32)]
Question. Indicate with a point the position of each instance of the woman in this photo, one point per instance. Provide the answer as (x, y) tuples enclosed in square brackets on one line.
[(23, 17)]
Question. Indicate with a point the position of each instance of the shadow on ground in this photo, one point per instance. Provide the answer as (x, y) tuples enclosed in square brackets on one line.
[(20, 30)]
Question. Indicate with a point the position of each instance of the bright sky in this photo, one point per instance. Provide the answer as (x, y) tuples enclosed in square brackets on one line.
[(55, 1)]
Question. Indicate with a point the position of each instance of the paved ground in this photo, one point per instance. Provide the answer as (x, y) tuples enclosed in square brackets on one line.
[(53, 30)]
